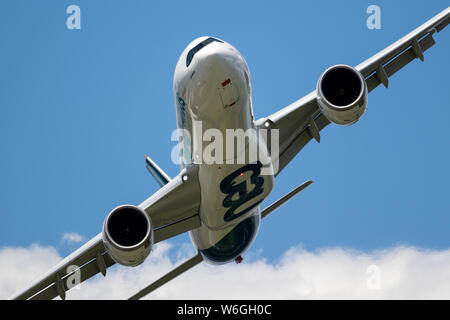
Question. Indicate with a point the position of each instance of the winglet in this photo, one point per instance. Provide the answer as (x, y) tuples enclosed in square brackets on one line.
[(160, 176)]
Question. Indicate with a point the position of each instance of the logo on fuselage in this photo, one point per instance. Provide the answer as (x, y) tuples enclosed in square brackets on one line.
[(181, 114), (228, 187)]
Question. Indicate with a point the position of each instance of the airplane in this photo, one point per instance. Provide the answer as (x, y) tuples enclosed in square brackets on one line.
[(219, 203)]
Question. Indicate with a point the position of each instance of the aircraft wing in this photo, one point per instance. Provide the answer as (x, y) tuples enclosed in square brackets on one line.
[(173, 210), (302, 120)]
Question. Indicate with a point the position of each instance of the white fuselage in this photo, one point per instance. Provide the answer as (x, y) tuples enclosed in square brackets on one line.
[(213, 100)]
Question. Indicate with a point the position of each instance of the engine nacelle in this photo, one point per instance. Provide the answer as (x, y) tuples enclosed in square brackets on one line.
[(128, 235), (342, 94)]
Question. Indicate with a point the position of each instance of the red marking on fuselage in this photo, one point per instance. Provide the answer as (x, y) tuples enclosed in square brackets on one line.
[(233, 104), (228, 81)]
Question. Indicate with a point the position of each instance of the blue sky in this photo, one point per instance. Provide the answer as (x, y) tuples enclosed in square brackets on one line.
[(81, 108)]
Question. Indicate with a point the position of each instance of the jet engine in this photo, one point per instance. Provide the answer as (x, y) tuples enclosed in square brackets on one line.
[(342, 94), (128, 235)]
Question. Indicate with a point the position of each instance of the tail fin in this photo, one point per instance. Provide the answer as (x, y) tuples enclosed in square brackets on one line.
[(160, 176)]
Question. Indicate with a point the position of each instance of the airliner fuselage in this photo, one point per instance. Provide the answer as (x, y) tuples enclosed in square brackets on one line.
[(212, 89)]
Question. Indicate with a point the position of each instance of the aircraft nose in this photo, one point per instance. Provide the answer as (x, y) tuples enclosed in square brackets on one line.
[(219, 68), (219, 60)]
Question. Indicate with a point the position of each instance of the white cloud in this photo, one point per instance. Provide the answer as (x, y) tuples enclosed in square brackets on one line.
[(71, 237), (20, 266), (335, 273)]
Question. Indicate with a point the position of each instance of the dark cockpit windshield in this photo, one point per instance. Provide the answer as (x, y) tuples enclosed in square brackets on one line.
[(197, 48)]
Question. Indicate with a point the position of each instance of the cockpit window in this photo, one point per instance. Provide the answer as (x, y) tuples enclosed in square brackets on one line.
[(197, 48)]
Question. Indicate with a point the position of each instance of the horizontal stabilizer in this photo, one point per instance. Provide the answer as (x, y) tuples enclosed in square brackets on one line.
[(185, 266), (285, 198), (160, 176)]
